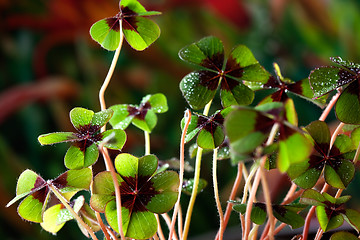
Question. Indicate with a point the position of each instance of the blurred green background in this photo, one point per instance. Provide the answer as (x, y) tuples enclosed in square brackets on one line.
[(49, 64)]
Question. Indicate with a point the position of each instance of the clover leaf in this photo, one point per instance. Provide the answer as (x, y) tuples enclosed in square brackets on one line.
[(142, 194), (343, 236), (335, 161), (327, 79), (37, 192), (139, 31), (209, 129), (284, 86), (284, 213), (55, 217), (248, 128), (199, 87), (142, 116), (331, 211), (84, 149)]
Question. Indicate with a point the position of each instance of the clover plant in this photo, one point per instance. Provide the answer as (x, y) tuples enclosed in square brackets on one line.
[(128, 197)]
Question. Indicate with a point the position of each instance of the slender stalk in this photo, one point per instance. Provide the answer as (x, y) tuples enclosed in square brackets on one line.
[(330, 106), (102, 226), (256, 183), (253, 232), (68, 207), (196, 182), (159, 230), (111, 70), (232, 197), (113, 236), (117, 190), (247, 187), (187, 117), (335, 134), (268, 205), (277, 230), (147, 142), (155, 237), (180, 223), (216, 193), (167, 219)]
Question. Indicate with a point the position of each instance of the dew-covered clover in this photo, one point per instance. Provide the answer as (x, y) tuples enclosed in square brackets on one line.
[(327, 79), (331, 211), (335, 162), (37, 191), (84, 149), (248, 128), (142, 116), (210, 130), (143, 193), (139, 31), (284, 86), (199, 87)]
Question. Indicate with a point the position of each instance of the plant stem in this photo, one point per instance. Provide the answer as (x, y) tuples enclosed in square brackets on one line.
[(196, 182), (111, 70), (268, 205), (147, 142), (68, 207), (335, 134), (159, 230), (102, 226), (216, 193), (257, 181), (232, 197), (187, 116), (330, 106), (117, 190)]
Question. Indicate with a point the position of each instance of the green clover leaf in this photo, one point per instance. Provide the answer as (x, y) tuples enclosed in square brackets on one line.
[(142, 116), (139, 31), (335, 161), (37, 192), (143, 193), (199, 87), (84, 149)]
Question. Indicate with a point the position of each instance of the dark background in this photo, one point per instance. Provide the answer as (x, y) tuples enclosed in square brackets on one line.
[(49, 64)]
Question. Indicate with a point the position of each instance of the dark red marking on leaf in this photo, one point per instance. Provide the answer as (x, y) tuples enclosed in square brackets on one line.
[(210, 123), (139, 112), (280, 210), (272, 82), (263, 123), (39, 182), (285, 132), (296, 88), (233, 68), (209, 79), (354, 88), (113, 23), (334, 152), (129, 19), (334, 163), (316, 162), (61, 181), (322, 148), (279, 96), (41, 194), (88, 134), (229, 84), (262, 206), (333, 209), (345, 77), (215, 62), (136, 193)]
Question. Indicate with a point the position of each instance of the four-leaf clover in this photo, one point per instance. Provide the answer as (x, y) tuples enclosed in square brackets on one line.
[(84, 149), (143, 193)]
